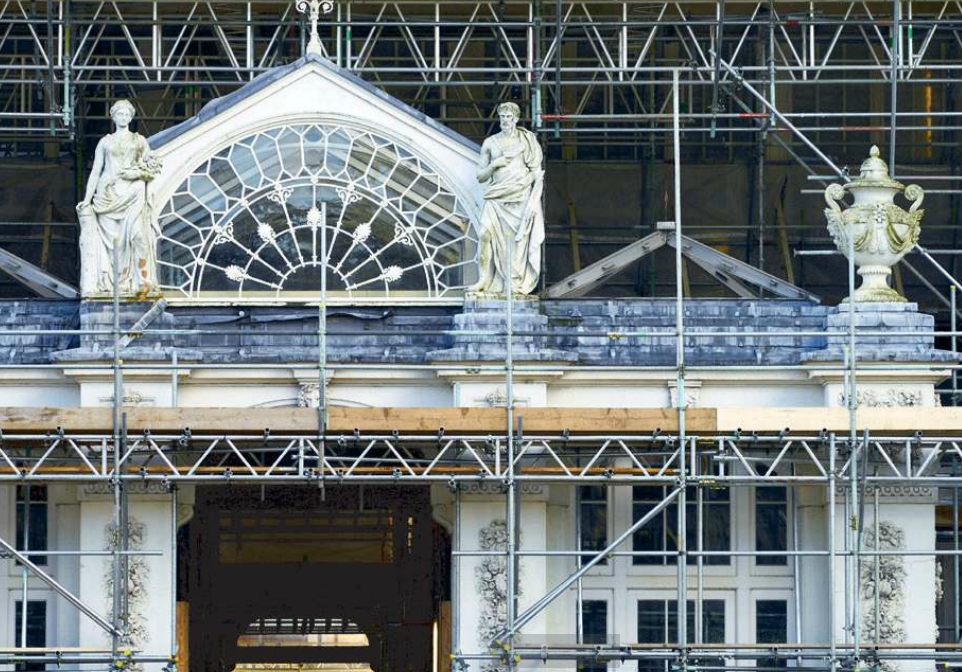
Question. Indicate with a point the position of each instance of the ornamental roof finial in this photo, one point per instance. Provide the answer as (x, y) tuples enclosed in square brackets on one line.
[(314, 7)]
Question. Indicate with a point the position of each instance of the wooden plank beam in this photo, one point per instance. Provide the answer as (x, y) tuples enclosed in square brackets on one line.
[(486, 420), (882, 420), (596, 421)]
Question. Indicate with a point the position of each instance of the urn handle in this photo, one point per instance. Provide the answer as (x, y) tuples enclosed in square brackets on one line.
[(914, 193), (835, 193)]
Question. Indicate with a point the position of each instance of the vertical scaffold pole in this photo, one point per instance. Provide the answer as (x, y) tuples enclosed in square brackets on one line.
[(117, 605), (896, 55), (876, 569), (833, 653), (322, 355), (955, 556), (511, 576), (26, 548), (955, 373), (682, 565), (455, 583), (854, 523), (173, 576)]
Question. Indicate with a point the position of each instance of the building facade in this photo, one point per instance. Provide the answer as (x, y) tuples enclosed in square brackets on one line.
[(315, 446)]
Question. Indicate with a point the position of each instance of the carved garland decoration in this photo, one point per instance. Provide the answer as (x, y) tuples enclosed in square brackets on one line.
[(137, 630), (890, 587), (492, 583)]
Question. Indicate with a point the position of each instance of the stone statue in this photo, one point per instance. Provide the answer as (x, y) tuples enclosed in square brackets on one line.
[(511, 168), (116, 217)]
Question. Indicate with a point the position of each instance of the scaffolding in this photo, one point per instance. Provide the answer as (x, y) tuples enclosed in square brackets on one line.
[(595, 68), (853, 461), (592, 76)]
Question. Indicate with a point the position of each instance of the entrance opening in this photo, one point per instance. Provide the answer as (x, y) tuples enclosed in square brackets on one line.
[(288, 578)]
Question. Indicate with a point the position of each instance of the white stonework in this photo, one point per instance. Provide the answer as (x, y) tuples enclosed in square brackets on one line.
[(512, 220), (879, 232), (118, 227)]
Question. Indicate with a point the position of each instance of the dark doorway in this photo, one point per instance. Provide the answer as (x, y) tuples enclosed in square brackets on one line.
[(288, 574)]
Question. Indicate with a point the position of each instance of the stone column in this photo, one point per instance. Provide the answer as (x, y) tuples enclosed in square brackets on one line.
[(909, 585), (481, 580), (906, 519), (150, 588)]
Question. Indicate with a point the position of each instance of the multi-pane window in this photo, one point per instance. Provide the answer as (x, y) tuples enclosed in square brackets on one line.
[(34, 529), (593, 509), (594, 628), (771, 523), (658, 624), (661, 533), (771, 627), (36, 630), (269, 212)]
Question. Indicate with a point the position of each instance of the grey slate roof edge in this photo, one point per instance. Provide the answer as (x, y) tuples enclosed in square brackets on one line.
[(219, 105)]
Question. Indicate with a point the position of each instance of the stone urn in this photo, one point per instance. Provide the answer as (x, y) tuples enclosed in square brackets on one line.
[(880, 232)]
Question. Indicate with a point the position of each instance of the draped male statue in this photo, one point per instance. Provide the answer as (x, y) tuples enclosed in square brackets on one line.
[(117, 222), (511, 170)]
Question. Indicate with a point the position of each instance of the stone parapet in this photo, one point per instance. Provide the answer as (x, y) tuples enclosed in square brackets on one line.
[(35, 315), (596, 332)]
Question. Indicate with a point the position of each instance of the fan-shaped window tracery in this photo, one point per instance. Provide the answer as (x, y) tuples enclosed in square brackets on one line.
[(267, 213)]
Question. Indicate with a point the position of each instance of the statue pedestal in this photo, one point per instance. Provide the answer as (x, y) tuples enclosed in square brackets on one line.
[(484, 314), (141, 387), (470, 349), (896, 339)]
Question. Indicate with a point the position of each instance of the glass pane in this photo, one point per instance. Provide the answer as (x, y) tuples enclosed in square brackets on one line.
[(222, 172), (594, 524), (36, 629), (37, 522), (649, 538), (771, 531), (771, 621), (713, 621), (771, 493), (771, 627), (594, 627), (651, 621), (594, 620)]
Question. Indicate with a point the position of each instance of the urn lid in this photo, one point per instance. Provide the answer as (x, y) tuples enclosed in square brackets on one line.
[(875, 173)]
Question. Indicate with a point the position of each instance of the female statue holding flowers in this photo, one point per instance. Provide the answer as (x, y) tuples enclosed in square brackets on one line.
[(116, 217)]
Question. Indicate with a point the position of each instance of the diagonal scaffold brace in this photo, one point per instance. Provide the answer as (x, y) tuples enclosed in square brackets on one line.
[(59, 588), (559, 590)]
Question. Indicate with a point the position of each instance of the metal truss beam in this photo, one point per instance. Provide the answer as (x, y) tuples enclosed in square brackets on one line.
[(654, 459)]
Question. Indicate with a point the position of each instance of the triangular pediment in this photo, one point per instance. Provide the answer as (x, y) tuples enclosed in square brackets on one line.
[(312, 89)]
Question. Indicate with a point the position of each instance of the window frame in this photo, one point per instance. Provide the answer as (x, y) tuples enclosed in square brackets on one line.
[(727, 596), (13, 498), (730, 566), (35, 598), (182, 278), (751, 538), (605, 566)]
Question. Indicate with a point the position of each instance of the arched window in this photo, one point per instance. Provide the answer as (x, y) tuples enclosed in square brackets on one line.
[(265, 214)]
